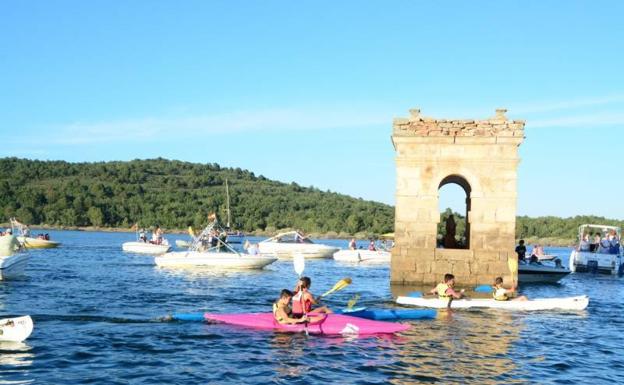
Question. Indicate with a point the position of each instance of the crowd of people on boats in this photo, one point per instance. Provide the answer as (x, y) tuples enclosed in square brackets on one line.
[(384, 245), (157, 237), (609, 243)]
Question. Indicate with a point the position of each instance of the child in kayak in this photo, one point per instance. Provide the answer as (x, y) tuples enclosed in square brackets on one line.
[(502, 294), (282, 312), (445, 289), (303, 300)]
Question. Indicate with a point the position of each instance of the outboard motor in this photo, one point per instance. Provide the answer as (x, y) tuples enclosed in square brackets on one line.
[(592, 267), (621, 270)]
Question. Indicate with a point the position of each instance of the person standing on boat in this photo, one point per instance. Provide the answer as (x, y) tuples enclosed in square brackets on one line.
[(157, 235), (521, 250), (502, 294), (352, 245), (445, 290), (371, 245)]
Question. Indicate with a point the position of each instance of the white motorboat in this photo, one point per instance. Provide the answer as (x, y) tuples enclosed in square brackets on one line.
[(286, 245), (541, 272), (363, 256), (568, 303), (211, 259), (12, 264), (15, 329), (181, 243), (603, 256), (141, 247)]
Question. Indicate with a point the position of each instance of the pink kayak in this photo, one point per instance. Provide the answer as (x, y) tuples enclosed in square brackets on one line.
[(331, 324)]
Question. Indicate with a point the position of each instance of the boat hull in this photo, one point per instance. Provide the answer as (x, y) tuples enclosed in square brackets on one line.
[(145, 248), (332, 324), (35, 243), (391, 314), (13, 266), (362, 256), (532, 273), (15, 329), (213, 260), (287, 251), (183, 244), (569, 303), (585, 261)]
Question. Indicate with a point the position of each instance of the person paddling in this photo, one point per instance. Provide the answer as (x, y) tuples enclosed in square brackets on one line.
[(445, 289), (303, 300), (282, 312), (502, 294)]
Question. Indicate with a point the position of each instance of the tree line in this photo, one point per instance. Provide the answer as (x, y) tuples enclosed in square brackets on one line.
[(176, 194)]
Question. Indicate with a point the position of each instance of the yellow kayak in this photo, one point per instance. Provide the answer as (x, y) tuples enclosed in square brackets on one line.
[(35, 243)]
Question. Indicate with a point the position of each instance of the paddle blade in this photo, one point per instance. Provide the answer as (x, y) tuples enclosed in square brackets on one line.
[(338, 286), (352, 301), (191, 232), (483, 289), (299, 263), (512, 262)]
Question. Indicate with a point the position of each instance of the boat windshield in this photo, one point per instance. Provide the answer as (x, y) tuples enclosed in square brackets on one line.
[(599, 239), (293, 238)]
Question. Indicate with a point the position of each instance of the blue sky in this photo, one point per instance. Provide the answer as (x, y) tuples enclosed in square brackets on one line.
[(306, 91)]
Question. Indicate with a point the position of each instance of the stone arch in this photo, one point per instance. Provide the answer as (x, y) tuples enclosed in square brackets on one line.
[(465, 185), (482, 157)]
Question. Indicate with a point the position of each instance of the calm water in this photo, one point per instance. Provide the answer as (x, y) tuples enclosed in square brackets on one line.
[(97, 314)]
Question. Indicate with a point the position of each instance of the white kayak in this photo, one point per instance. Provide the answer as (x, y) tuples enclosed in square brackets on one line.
[(363, 256), (15, 329), (145, 247), (568, 303), (215, 260)]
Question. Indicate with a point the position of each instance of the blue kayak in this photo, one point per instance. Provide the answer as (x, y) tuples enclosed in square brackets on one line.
[(191, 317), (390, 314)]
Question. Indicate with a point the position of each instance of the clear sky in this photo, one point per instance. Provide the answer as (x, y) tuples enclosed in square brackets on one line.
[(306, 91)]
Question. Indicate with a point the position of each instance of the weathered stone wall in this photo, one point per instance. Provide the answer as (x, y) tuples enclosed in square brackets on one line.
[(482, 152)]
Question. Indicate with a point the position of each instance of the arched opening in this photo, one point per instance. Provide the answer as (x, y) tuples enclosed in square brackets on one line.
[(454, 206)]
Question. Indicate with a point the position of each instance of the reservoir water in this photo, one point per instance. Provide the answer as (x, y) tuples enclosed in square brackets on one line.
[(98, 315)]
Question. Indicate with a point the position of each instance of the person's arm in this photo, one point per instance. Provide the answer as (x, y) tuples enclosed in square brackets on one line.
[(452, 293), (286, 319), (434, 290), (310, 297)]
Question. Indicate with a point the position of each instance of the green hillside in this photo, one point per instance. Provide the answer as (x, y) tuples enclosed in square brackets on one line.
[(174, 194)]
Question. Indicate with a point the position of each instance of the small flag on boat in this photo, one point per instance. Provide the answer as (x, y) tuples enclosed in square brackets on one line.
[(191, 232)]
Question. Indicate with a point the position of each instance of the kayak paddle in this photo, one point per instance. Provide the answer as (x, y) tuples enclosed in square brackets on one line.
[(352, 301), (338, 286), (299, 263), (512, 263)]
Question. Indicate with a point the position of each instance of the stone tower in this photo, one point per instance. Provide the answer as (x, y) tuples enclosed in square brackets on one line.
[(481, 156)]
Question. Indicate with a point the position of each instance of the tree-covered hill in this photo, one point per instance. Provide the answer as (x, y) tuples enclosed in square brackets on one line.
[(174, 194)]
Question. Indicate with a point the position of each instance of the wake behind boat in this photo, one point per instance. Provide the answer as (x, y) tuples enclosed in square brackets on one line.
[(286, 245), (568, 303)]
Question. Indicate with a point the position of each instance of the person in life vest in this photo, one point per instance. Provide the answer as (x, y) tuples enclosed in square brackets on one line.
[(303, 300), (445, 289), (282, 312), (502, 294)]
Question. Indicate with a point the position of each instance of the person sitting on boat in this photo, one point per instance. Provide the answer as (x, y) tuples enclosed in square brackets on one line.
[(595, 245), (25, 231), (352, 245), (142, 236), (445, 289), (614, 243), (605, 245), (371, 246), (303, 300), (282, 312), (521, 250), (221, 241), (502, 294), (536, 253), (585, 245)]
